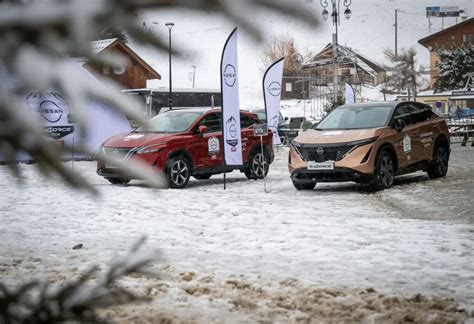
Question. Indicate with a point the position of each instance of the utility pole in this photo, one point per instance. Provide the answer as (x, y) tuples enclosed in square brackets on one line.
[(335, 14), (335, 21), (396, 32), (194, 73), (334, 57), (170, 96)]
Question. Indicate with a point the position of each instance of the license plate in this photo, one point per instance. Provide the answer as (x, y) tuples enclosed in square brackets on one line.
[(327, 165), (110, 166)]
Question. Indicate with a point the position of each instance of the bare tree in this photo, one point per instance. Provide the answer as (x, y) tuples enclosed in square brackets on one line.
[(385, 80), (278, 47), (401, 73), (39, 37)]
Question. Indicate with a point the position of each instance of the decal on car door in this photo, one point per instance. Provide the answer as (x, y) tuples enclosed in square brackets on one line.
[(407, 144), (213, 145)]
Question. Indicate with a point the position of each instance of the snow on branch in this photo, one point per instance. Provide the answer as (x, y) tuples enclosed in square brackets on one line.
[(79, 299)]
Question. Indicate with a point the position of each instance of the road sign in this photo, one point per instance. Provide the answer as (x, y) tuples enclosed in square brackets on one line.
[(447, 11)]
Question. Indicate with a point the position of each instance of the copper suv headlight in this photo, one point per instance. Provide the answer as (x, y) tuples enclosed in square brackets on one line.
[(295, 146), (362, 142)]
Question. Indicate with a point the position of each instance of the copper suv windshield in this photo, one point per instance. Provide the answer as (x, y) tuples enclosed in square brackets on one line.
[(360, 117)]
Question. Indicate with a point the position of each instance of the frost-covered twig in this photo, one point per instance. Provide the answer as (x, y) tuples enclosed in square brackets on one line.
[(78, 300)]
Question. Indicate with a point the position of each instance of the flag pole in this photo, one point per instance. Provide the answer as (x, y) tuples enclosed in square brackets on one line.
[(263, 158), (222, 107)]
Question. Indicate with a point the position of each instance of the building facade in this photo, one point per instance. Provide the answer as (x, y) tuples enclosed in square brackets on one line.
[(459, 35), (352, 67)]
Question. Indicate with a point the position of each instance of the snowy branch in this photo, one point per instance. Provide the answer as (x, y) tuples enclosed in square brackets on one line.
[(78, 300)]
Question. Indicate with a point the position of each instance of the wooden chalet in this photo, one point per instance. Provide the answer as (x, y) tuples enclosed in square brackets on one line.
[(132, 76), (352, 67)]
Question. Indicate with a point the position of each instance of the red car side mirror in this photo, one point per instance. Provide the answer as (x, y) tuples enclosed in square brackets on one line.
[(202, 129)]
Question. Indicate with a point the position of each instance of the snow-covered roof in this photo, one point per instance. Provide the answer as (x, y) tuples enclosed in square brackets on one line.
[(96, 47), (345, 55), (100, 45), (426, 40)]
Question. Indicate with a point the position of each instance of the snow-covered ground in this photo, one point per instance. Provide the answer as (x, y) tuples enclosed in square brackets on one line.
[(333, 253)]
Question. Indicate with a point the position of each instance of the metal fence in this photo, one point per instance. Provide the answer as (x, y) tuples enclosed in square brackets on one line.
[(461, 130)]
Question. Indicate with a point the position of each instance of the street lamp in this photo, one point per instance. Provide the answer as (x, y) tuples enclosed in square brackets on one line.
[(347, 13), (335, 20), (170, 96), (325, 14)]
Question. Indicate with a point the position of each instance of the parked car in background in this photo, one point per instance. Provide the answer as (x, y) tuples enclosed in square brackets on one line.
[(187, 142), (371, 143), (282, 121)]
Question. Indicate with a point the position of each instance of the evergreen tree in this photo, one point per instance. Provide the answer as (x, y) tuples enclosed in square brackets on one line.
[(331, 104), (453, 66), (401, 73)]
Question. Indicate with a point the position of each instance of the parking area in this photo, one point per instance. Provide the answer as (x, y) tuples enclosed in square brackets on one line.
[(415, 238)]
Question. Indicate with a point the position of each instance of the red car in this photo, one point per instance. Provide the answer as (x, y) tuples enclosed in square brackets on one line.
[(187, 142)]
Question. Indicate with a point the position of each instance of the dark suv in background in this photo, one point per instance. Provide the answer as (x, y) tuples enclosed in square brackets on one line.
[(283, 123)]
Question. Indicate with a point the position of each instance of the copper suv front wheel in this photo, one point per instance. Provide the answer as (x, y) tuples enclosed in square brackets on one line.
[(384, 173)]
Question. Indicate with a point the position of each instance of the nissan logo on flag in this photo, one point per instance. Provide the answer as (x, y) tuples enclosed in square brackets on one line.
[(50, 111), (232, 131), (274, 88), (230, 75), (51, 106)]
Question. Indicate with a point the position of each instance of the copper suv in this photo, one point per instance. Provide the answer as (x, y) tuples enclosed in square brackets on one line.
[(371, 143)]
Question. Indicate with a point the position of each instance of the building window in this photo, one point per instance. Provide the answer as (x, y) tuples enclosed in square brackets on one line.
[(468, 38), (106, 69), (119, 69)]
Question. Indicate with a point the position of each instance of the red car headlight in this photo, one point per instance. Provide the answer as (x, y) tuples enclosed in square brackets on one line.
[(150, 149)]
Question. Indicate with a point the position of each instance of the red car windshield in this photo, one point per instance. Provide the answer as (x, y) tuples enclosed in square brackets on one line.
[(174, 121)]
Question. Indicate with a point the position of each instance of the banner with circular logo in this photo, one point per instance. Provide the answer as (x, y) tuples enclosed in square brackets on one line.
[(230, 102), (350, 94), (272, 81)]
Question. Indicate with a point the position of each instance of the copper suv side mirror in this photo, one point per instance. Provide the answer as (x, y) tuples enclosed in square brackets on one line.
[(399, 125)]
